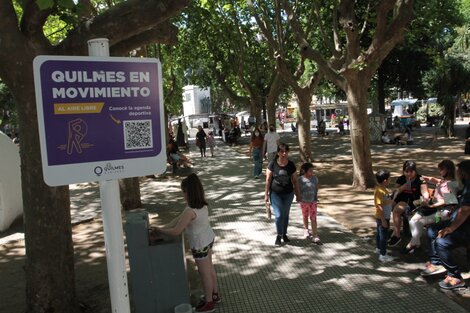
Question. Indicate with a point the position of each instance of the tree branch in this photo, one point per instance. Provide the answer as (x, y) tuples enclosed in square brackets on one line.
[(10, 39), (163, 33), (138, 15), (348, 23), (33, 20), (286, 74), (88, 9), (390, 34), (382, 10), (228, 91), (337, 42), (264, 26), (307, 51), (314, 81), (316, 9)]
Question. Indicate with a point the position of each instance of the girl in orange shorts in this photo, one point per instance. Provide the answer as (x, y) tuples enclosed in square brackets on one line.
[(308, 184)]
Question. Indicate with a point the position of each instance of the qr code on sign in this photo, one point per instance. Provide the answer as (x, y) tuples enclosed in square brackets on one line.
[(138, 134)]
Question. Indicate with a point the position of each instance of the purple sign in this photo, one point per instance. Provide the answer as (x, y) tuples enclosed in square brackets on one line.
[(97, 111), (100, 118)]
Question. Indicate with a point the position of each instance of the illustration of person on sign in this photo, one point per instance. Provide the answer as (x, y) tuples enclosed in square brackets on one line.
[(77, 130)]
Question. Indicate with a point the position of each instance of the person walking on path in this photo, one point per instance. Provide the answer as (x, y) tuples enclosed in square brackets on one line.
[(201, 140), (211, 143), (256, 145), (383, 207), (180, 137), (281, 185), (410, 188), (308, 185), (448, 235), (194, 221), (271, 142)]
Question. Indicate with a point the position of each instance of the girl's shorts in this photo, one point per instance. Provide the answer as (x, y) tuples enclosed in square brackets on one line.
[(199, 254), (309, 209)]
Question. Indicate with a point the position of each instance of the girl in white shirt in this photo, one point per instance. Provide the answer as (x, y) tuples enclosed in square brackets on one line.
[(194, 221)]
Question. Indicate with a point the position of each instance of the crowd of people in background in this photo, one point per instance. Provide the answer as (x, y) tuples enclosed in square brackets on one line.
[(437, 206)]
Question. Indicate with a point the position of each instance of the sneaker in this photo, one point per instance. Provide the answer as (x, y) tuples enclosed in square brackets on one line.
[(278, 241), (285, 239), (205, 307), (215, 298), (377, 251), (432, 269), (451, 283), (394, 241), (306, 234), (316, 240), (385, 258), (408, 250)]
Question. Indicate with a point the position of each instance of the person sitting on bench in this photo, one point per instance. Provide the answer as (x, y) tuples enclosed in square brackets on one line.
[(321, 128), (440, 207), (386, 138), (410, 188), (175, 157), (448, 235)]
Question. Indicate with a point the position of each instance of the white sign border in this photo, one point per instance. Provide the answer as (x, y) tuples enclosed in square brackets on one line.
[(59, 175)]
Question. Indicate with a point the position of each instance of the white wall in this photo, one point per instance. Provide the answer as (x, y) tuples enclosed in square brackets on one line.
[(189, 107), (11, 203), (192, 96)]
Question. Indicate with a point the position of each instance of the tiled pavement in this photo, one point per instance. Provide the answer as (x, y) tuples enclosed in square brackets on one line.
[(343, 275)]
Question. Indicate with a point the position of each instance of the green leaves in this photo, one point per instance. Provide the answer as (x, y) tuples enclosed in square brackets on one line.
[(47, 4), (67, 4)]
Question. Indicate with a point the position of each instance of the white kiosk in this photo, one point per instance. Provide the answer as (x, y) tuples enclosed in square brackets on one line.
[(11, 202)]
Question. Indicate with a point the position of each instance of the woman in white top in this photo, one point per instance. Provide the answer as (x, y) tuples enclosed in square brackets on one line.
[(194, 221), (437, 210)]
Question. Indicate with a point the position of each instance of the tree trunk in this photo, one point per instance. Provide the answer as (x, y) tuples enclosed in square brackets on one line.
[(47, 222), (447, 101), (381, 90), (129, 190), (304, 117), (275, 90), (255, 110), (363, 176), (271, 108)]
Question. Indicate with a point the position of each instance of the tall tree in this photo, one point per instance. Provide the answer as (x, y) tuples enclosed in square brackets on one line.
[(49, 251), (268, 15), (403, 69), (223, 46), (362, 34)]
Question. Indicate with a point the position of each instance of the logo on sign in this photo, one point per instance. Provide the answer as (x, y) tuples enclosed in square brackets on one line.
[(109, 169)]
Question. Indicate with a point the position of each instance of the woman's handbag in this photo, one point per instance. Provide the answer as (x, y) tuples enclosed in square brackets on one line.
[(198, 142), (268, 210)]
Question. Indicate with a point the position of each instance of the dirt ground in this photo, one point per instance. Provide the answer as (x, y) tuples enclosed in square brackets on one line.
[(333, 165)]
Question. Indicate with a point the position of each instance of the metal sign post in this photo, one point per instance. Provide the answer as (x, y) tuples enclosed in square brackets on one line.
[(112, 221)]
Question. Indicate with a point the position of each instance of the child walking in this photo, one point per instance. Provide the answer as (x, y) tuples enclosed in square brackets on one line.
[(194, 221), (211, 143), (308, 184), (383, 208)]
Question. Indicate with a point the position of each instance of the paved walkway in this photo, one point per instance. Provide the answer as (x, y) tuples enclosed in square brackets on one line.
[(343, 275)]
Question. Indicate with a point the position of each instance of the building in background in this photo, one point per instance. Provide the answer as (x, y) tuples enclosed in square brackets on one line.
[(196, 100)]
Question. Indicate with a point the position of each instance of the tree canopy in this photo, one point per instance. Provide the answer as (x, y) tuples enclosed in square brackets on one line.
[(29, 28)]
